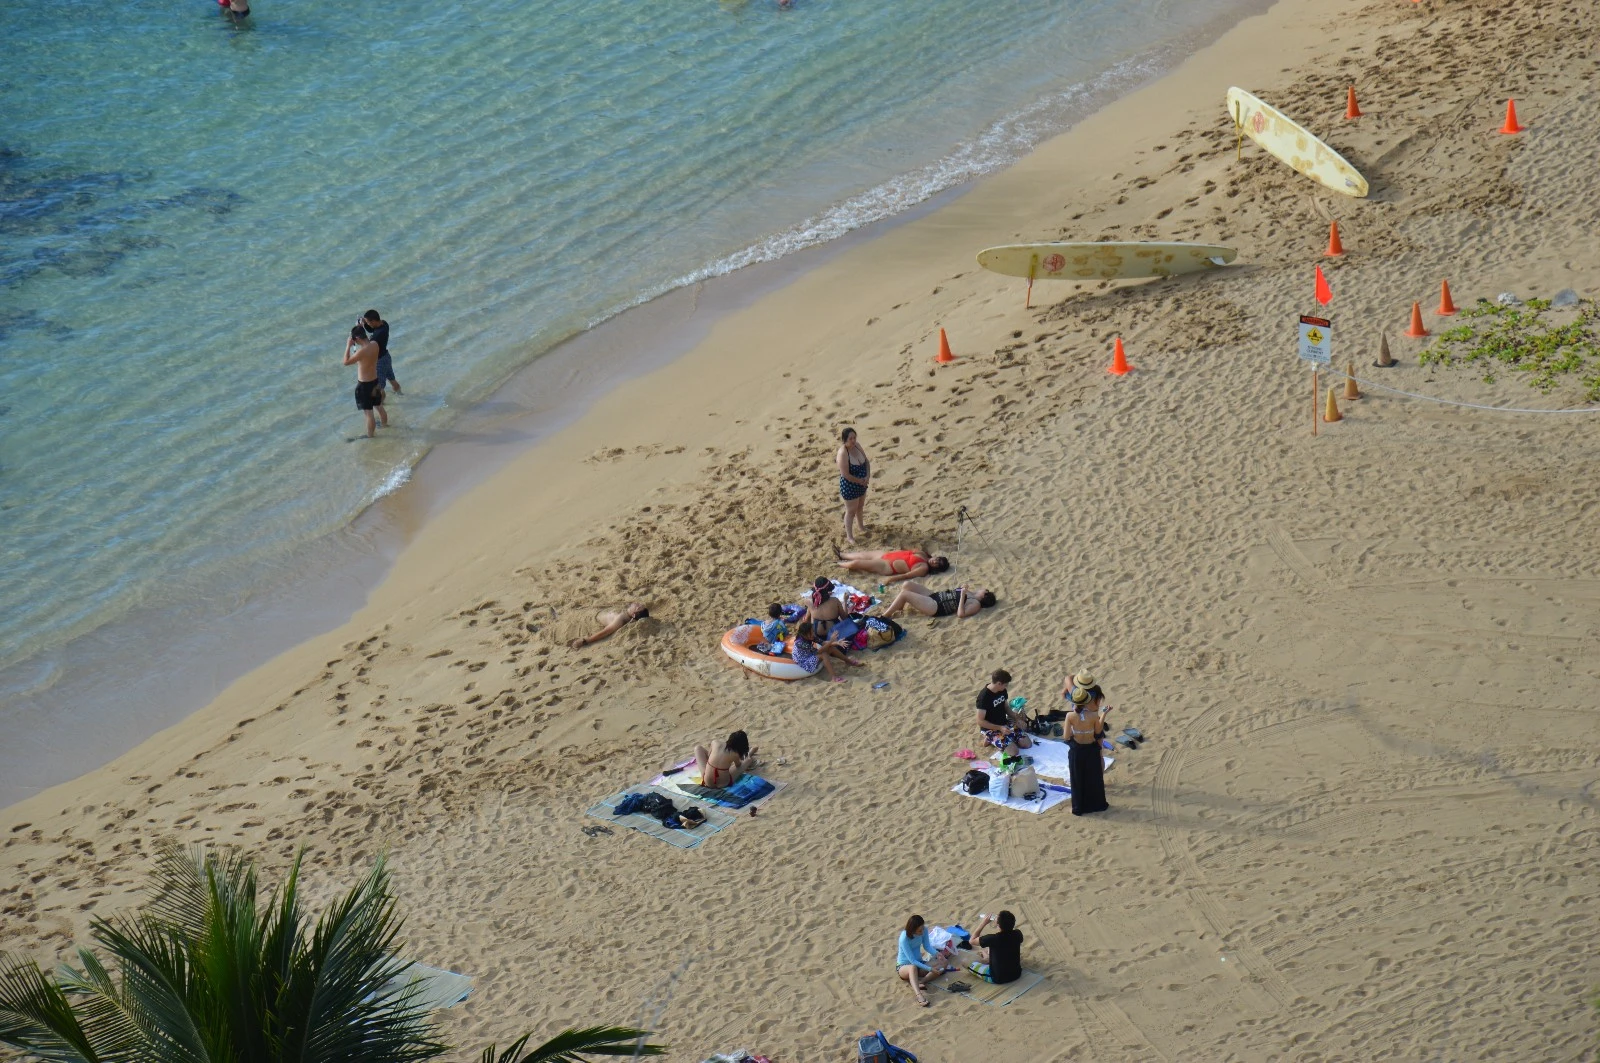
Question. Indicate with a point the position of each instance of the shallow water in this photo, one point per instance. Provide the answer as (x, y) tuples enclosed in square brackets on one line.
[(192, 215)]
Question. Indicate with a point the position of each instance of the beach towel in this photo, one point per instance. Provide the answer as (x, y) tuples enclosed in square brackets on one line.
[(1050, 758), (430, 987), (850, 597), (716, 819), (1050, 795), (994, 995), (749, 790)]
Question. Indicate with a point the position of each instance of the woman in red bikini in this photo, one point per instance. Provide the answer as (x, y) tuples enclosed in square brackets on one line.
[(725, 762), (893, 565)]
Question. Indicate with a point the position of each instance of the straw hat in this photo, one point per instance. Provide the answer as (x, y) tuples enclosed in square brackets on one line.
[(1083, 679), (1080, 696)]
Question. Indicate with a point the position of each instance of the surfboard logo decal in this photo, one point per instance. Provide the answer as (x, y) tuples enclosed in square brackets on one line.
[(1053, 263), (1258, 122)]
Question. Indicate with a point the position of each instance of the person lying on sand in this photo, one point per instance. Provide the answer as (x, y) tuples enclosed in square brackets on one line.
[(963, 601), (893, 565), (614, 620), (812, 653), (725, 763), (909, 962)]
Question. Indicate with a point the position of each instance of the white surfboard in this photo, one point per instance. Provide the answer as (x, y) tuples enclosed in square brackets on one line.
[(1102, 261), (1293, 144)]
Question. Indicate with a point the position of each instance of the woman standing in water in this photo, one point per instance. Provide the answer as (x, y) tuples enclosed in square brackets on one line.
[(854, 473)]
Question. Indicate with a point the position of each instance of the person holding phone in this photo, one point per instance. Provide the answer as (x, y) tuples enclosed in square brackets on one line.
[(378, 332), (1085, 728)]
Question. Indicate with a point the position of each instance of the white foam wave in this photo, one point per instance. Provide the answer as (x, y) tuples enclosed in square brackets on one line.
[(1003, 143)]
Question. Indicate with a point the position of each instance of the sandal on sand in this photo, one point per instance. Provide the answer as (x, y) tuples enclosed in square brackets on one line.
[(958, 987), (1133, 732), (922, 1002)]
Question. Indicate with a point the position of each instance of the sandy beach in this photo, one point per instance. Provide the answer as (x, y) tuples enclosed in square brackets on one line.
[(1363, 824)]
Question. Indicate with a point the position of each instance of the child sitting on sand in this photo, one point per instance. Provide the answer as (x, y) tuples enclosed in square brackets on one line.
[(812, 654)]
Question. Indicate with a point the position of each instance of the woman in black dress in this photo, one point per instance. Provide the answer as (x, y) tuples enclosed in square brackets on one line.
[(1084, 730)]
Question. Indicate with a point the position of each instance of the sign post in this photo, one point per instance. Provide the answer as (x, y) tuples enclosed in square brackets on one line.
[(1316, 347)]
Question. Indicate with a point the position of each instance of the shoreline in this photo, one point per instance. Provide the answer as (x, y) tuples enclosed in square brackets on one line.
[(1320, 637), (129, 680)]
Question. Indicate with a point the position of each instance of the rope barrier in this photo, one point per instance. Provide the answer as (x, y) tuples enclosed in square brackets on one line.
[(1452, 402)]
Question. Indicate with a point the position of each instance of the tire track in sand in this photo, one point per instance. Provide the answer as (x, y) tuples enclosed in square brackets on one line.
[(1209, 916), (1104, 1022)]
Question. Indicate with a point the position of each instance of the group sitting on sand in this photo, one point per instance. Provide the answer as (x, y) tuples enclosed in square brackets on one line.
[(918, 961)]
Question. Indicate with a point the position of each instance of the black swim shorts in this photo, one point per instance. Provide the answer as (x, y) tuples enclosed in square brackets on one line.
[(369, 394)]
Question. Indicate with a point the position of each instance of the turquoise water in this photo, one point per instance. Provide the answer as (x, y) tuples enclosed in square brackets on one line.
[(192, 216)]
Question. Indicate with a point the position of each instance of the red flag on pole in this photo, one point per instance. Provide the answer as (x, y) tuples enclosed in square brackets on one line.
[(1324, 293)]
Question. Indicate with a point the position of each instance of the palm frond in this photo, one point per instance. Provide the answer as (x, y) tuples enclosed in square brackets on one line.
[(571, 1046), (353, 955), (37, 1017), (158, 986), (101, 1008)]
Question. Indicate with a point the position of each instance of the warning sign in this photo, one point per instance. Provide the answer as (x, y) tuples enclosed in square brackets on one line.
[(1316, 340)]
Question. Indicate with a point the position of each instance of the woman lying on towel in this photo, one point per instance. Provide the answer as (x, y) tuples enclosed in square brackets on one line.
[(893, 565), (963, 601), (725, 763)]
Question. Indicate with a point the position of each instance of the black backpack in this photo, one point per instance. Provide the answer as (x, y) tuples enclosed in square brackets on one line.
[(976, 782)]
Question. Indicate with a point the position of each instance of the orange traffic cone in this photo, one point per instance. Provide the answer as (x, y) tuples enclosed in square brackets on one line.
[(1416, 328), (1350, 108), (1446, 307), (1350, 389), (1511, 125), (1335, 247), (1331, 413), (944, 356), (1119, 360)]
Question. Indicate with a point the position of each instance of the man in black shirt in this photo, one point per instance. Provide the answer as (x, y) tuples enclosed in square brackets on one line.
[(378, 332), (1000, 726), (1000, 955)]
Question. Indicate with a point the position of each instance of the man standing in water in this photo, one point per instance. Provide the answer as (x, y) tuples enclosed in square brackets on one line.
[(362, 353), (378, 332)]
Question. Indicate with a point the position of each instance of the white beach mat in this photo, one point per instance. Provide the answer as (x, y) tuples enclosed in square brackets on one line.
[(1049, 797), (1050, 759)]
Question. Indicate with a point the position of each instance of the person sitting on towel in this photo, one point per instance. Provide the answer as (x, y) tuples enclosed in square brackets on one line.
[(1000, 726), (725, 763), (910, 964), (1000, 954)]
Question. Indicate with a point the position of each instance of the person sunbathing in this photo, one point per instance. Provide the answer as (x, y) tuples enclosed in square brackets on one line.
[(962, 601), (893, 565), (725, 763), (614, 620)]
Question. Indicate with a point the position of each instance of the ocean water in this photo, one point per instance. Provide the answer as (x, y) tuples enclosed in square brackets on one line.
[(193, 214)]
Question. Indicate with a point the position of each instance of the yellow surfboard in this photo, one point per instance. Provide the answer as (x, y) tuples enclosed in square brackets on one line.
[(1290, 142), (1102, 261)]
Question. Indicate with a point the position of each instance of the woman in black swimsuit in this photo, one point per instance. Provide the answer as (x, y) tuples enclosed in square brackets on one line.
[(963, 601), (855, 471)]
